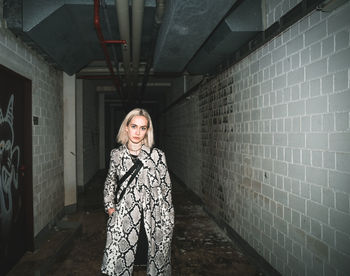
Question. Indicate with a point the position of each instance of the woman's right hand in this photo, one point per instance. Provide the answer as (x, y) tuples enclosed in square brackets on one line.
[(111, 211)]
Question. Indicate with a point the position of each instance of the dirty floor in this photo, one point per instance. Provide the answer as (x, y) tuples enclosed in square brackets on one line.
[(199, 246)]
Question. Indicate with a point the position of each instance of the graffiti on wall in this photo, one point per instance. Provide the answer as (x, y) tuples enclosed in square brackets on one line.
[(9, 162)]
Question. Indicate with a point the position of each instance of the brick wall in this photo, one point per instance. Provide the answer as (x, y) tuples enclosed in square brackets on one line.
[(266, 145), (47, 103), (275, 9)]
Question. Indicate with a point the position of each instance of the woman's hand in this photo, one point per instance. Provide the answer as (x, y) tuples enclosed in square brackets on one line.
[(111, 211)]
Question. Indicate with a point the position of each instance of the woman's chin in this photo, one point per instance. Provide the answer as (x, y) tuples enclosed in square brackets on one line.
[(136, 141)]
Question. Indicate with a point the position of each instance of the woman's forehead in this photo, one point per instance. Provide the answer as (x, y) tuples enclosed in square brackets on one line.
[(139, 120)]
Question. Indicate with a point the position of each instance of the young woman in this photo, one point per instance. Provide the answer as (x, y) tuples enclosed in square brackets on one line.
[(145, 199)]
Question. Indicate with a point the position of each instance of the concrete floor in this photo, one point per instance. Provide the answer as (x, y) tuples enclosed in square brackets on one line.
[(199, 246)]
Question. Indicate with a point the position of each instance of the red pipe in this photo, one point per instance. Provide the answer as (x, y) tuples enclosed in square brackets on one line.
[(114, 41), (103, 45)]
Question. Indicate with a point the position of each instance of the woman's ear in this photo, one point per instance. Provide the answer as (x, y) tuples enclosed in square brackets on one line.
[(126, 128)]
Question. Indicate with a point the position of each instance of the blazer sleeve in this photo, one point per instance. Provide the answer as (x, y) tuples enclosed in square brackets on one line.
[(110, 182)]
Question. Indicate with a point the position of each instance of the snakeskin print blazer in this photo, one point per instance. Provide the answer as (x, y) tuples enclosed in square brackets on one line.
[(148, 194)]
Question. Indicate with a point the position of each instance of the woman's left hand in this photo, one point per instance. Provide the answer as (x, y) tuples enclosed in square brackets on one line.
[(111, 211)]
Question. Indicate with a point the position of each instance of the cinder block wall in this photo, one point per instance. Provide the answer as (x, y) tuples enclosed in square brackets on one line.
[(90, 131), (47, 105), (275, 9), (266, 145)]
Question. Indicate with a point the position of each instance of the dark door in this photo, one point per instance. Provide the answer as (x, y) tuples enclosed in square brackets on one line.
[(16, 193)]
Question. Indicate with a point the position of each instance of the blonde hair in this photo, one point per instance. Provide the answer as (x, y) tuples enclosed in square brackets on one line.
[(122, 136)]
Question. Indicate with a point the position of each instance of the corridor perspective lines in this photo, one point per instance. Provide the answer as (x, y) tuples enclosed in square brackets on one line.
[(199, 246)]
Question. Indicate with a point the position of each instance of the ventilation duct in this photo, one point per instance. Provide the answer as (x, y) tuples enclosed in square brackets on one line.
[(185, 27), (62, 31), (237, 28)]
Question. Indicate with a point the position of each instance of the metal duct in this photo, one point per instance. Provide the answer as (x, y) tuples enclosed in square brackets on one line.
[(185, 27), (237, 28)]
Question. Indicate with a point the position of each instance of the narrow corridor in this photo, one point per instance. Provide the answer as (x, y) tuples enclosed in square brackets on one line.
[(249, 100), (199, 246)]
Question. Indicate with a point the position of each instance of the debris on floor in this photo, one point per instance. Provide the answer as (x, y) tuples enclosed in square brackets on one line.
[(199, 246)]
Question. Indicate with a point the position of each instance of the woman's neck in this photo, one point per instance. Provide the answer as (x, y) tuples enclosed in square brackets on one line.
[(133, 148)]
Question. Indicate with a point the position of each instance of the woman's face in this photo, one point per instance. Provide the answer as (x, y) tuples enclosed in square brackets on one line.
[(137, 129)]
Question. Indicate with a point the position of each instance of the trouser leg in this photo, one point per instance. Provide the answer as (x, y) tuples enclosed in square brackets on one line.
[(142, 244)]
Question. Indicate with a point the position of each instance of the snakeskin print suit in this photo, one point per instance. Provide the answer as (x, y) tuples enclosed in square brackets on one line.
[(148, 194)]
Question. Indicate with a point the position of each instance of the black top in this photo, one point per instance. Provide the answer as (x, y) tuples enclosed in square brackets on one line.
[(133, 157)]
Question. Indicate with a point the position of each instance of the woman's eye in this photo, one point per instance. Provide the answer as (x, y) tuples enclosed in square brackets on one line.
[(143, 128), (133, 126)]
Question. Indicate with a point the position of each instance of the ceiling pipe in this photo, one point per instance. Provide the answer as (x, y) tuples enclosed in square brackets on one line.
[(122, 7), (109, 30), (137, 19), (103, 43), (160, 11), (157, 21), (114, 41)]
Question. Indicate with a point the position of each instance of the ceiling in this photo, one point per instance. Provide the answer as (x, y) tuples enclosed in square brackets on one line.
[(177, 37)]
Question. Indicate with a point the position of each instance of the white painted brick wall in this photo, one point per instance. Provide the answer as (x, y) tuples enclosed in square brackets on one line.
[(266, 145), (47, 104), (275, 9)]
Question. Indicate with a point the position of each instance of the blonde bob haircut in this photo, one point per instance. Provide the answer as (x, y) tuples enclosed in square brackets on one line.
[(122, 136)]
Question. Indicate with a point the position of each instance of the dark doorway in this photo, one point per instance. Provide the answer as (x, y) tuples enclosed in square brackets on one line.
[(16, 185)]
